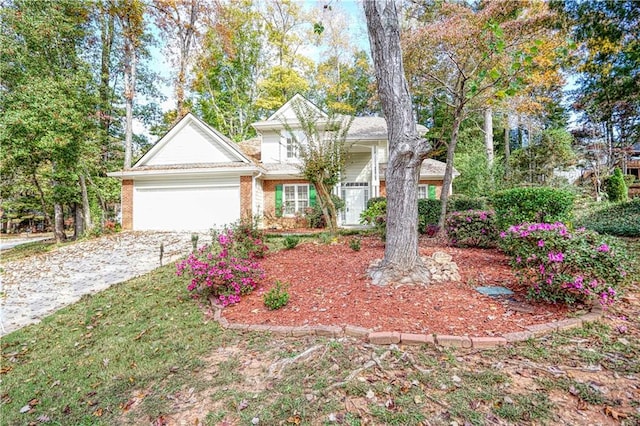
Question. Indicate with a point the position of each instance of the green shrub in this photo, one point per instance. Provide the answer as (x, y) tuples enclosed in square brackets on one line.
[(622, 219), (472, 228), (375, 200), (629, 180), (376, 215), (561, 266), (616, 188), (539, 204), (461, 203), (290, 241), (428, 213), (354, 244), (248, 240), (276, 297), (314, 216)]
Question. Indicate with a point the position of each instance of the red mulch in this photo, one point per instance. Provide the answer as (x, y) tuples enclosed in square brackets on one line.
[(329, 286)]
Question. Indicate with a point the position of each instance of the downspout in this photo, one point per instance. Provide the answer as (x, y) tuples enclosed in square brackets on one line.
[(253, 197)]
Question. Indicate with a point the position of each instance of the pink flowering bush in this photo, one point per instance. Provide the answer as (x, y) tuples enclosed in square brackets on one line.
[(565, 266), (472, 228), (227, 269)]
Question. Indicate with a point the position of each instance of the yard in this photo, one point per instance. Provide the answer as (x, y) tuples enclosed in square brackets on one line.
[(143, 352)]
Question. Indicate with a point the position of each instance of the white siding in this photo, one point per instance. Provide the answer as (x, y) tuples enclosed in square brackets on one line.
[(189, 146), (358, 168), (271, 147)]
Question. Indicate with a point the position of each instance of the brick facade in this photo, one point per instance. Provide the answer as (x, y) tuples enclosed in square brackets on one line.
[(126, 200), (246, 197), (270, 218)]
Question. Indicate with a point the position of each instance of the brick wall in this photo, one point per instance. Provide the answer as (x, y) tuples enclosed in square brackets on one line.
[(126, 200), (246, 196), (270, 218)]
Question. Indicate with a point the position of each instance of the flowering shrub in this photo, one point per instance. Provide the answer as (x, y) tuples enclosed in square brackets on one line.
[(473, 228), (227, 269), (564, 266), (242, 239)]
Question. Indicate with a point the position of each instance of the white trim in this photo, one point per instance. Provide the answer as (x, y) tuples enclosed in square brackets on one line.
[(296, 199)]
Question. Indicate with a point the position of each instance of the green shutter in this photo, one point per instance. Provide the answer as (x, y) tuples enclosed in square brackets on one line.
[(312, 195), (279, 200), (432, 191)]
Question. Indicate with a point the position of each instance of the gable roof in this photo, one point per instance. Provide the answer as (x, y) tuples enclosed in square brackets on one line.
[(211, 146), (373, 128)]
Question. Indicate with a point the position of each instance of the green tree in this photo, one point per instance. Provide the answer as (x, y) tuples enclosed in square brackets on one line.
[(228, 68), (47, 129), (607, 64), (322, 152), (616, 187)]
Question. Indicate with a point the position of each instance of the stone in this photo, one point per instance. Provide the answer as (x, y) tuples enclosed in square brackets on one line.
[(488, 342), (518, 336), (416, 339), (328, 330), (568, 324), (541, 329), (441, 257), (384, 337), (354, 331), (494, 291), (453, 341)]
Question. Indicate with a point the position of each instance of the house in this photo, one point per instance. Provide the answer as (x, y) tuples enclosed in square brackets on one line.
[(195, 178)]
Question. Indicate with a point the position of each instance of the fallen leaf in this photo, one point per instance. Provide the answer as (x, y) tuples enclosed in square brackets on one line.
[(44, 418), (5, 370), (294, 420), (98, 412), (127, 405), (616, 415), (34, 402), (25, 409), (243, 404), (417, 399)]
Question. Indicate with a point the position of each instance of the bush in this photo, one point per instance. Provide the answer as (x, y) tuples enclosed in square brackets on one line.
[(276, 297), (428, 213), (540, 204), (314, 216), (629, 180), (461, 203), (616, 188), (375, 200), (354, 244), (473, 228), (621, 219), (244, 239), (216, 270), (290, 241), (561, 266), (376, 215)]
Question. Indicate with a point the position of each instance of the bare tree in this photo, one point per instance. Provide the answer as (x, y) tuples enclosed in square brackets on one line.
[(401, 262)]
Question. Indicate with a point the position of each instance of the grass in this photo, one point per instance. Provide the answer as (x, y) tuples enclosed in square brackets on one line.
[(142, 350), (29, 249)]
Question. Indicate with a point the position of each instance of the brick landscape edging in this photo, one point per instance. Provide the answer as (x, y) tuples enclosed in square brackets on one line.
[(396, 337)]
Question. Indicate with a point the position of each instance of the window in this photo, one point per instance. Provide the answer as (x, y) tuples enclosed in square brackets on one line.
[(295, 198), (292, 148), (292, 142), (427, 192)]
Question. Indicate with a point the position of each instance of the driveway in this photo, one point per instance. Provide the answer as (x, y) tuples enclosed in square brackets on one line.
[(33, 288)]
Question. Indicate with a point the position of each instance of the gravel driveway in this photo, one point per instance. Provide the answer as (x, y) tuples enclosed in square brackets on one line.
[(33, 288)]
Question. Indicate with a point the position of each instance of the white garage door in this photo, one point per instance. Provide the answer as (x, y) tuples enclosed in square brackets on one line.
[(186, 205)]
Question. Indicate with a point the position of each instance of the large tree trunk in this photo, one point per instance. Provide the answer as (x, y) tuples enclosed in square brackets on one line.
[(58, 223), (401, 262), (129, 93), (78, 221), (43, 203), (86, 209), (327, 206), (488, 134)]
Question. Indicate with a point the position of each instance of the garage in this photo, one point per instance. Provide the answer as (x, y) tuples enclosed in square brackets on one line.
[(185, 205)]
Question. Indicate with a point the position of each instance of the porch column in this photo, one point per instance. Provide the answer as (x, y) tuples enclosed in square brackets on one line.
[(375, 172)]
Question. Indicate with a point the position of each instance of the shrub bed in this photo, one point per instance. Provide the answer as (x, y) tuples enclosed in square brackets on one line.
[(622, 220), (564, 266)]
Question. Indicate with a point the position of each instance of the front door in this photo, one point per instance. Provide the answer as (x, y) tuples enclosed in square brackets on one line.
[(355, 199)]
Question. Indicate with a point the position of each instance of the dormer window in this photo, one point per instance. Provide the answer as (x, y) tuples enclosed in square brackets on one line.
[(292, 147)]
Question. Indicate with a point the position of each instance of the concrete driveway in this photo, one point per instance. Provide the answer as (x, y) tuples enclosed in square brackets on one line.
[(33, 288)]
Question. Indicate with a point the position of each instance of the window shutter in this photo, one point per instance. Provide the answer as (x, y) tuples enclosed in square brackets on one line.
[(432, 192), (279, 200), (312, 195)]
